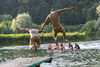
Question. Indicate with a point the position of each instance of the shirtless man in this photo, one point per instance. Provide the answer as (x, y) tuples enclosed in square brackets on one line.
[(62, 47), (49, 47), (49, 51), (56, 48), (56, 26), (34, 39)]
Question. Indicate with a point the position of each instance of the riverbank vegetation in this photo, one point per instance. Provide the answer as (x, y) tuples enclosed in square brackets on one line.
[(32, 13), (46, 38)]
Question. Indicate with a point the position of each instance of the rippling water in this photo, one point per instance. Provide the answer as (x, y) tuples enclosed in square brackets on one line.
[(88, 56)]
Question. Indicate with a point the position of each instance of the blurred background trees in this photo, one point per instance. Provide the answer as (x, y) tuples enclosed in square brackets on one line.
[(32, 13)]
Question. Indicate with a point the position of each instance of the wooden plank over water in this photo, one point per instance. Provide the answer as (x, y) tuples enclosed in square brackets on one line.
[(26, 62), (37, 61)]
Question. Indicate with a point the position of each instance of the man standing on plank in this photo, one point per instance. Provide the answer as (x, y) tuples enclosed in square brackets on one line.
[(56, 26), (34, 39)]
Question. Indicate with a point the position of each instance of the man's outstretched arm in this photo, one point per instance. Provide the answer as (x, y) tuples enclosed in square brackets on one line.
[(41, 31), (65, 9), (45, 23), (25, 29)]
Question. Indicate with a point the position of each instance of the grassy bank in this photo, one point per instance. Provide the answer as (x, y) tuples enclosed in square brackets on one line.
[(47, 37)]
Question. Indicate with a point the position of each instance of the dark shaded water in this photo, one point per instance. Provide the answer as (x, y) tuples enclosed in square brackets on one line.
[(88, 56)]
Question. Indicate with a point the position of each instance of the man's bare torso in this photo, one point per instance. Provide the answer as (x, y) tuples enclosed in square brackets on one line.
[(54, 17)]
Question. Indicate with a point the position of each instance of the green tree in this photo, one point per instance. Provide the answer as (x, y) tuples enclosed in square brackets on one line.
[(39, 9), (89, 27), (36, 26), (97, 24), (5, 27), (5, 17), (98, 32), (98, 10), (97, 27), (22, 20), (91, 12), (48, 27)]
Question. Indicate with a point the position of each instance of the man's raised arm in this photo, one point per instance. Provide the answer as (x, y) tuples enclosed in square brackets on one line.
[(65, 9), (25, 29), (45, 23)]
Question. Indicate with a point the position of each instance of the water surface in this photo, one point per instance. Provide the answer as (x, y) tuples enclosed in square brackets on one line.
[(88, 56)]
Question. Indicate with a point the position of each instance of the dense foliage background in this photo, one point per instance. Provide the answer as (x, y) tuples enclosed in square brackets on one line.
[(39, 9), (36, 11)]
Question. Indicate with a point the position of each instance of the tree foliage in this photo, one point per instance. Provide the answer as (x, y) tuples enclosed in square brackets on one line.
[(5, 27), (89, 27), (91, 12), (97, 27), (5, 17), (98, 9), (39, 9), (98, 32), (22, 20), (97, 24)]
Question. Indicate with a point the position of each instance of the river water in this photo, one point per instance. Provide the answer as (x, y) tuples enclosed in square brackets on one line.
[(87, 56)]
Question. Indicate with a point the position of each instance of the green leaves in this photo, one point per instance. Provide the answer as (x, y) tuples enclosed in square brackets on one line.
[(97, 27), (89, 27), (98, 9), (22, 20)]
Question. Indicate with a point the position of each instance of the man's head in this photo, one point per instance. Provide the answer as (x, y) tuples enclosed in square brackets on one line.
[(57, 45), (52, 10), (69, 43), (61, 44), (49, 44), (75, 43)]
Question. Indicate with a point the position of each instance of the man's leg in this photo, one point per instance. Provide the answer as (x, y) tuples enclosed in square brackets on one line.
[(64, 36), (55, 37), (35, 47), (30, 44), (38, 42)]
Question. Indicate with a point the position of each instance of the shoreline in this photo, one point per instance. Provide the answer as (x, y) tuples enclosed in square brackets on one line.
[(85, 44)]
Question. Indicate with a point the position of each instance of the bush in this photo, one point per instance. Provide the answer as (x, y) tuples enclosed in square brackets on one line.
[(22, 20), (46, 38), (5, 27), (5, 17), (89, 27)]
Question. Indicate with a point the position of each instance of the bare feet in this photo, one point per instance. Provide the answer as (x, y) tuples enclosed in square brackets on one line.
[(65, 41), (30, 47)]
